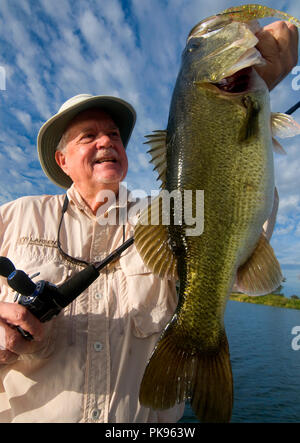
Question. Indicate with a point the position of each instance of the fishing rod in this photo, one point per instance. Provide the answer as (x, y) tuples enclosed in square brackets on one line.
[(293, 108)]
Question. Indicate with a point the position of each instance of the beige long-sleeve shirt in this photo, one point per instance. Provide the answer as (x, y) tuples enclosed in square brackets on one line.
[(91, 365)]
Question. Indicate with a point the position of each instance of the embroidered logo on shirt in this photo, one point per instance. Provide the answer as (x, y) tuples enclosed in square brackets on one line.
[(37, 241), (49, 244)]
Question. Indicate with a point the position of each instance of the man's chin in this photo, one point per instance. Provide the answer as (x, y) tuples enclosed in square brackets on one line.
[(109, 174), (110, 182)]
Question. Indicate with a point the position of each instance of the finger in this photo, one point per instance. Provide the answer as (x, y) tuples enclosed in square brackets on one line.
[(6, 356), (11, 340), (285, 34), (18, 315), (294, 37), (279, 39), (267, 42), (278, 44)]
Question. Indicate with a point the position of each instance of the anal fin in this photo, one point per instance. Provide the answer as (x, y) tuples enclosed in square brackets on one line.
[(261, 273)]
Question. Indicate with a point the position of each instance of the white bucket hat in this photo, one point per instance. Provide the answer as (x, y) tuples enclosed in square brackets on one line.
[(51, 132)]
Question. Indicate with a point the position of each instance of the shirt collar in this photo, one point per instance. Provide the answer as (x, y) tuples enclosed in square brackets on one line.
[(121, 201)]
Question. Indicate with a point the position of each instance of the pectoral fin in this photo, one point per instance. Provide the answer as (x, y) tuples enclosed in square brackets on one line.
[(250, 126), (283, 125), (261, 274), (277, 147)]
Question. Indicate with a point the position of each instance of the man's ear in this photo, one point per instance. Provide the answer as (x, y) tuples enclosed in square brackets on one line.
[(60, 159)]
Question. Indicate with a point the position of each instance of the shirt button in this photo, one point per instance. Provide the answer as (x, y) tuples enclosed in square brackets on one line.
[(96, 414), (98, 346), (98, 296)]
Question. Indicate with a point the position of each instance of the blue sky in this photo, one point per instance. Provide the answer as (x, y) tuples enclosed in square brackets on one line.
[(54, 49)]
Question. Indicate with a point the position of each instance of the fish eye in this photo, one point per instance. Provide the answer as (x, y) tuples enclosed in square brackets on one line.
[(193, 45)]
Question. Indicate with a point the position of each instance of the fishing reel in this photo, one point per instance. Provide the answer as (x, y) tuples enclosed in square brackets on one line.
[(44, 299)]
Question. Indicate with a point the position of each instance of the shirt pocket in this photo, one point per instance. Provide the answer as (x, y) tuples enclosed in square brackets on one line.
[(41, 259), (150, 300)]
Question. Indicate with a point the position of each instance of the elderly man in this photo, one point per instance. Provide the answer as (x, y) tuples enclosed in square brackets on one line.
[(86, 365)]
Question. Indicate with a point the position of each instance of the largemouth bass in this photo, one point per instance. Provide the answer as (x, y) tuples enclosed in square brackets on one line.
[(218, 139)]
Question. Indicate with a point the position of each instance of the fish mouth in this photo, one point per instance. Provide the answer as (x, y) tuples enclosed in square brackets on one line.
[(237, 83), (222, 48)]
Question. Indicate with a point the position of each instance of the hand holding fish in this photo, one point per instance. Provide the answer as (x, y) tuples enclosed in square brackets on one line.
[(278, 44)]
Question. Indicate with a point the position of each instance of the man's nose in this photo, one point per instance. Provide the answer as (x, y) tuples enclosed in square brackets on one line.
[(103, 141)]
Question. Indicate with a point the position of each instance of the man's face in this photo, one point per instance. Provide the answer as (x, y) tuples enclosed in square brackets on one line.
[(94, 156)]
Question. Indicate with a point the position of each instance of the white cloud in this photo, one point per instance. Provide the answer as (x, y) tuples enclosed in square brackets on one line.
[(285, 230), (143, 161), (24, 118), (59, 10), (289, 204), (297, 231)]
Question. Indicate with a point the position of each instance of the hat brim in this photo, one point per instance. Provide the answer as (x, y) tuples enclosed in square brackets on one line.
[(51, 132)]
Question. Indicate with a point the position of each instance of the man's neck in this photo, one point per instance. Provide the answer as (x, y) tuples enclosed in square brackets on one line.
[(95, 199)]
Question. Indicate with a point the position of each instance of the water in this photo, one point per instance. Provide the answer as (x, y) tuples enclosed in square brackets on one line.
[(266, 370)]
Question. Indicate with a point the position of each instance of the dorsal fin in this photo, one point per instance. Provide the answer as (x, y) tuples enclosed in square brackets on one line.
[(152, 241), (158, 152)]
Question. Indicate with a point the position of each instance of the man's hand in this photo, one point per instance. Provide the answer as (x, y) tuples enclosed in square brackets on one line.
[(278, 44), (12, 344)]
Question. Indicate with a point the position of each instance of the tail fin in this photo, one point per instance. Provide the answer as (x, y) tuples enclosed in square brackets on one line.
[(176, 373)]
